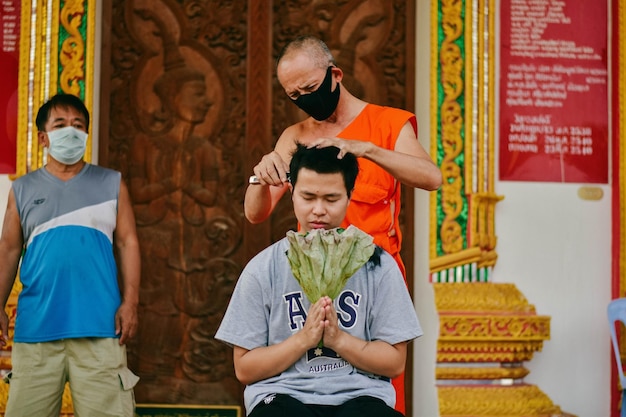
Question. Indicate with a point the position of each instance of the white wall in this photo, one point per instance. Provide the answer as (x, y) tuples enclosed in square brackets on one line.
[(556, 248)]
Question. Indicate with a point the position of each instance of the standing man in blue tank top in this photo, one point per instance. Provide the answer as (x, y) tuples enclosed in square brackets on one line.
[(66, 222)]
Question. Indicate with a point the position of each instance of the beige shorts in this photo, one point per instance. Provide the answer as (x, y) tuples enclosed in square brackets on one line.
[(100, 382)]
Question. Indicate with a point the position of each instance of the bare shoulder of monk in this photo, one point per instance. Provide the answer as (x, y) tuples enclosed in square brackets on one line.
[(296, 133)]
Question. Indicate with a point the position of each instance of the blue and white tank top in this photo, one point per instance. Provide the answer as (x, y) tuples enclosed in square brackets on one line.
[(68, 269)]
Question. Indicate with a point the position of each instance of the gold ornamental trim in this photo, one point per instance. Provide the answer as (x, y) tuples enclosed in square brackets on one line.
[(472, 113), (518, 400), (483, 352), (491, 114), (453, 260), (72, 57), (434, 123), (23, 91), (481, 347), (45, 66), (76, 57), (483, 220), (480, 147), (481, 373), (481, 357), (451, 123), (487, 322), (474, 255), (480, 297), (4, 396), (463, 116), (493, 328)]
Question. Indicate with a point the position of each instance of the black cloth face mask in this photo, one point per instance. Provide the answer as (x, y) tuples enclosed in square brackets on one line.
[(321, 103)]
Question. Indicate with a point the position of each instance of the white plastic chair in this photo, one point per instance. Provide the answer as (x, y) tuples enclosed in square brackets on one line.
[(616, 311)]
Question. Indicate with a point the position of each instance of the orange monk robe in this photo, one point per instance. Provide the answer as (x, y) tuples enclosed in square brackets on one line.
[(375, 203)]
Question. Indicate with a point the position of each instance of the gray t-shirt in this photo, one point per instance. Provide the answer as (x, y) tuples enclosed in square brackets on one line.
[(268, 305)]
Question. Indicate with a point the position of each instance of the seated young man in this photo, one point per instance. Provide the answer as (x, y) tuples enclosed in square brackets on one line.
[(276, 332)]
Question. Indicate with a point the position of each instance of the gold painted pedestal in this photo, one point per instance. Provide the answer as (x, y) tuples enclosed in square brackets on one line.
[(486, 332)]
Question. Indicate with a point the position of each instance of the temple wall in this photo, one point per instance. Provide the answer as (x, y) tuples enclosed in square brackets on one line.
[(555, 247)]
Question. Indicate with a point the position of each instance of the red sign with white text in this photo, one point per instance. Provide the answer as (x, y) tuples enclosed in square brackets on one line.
[(9, 70), (553, 91)]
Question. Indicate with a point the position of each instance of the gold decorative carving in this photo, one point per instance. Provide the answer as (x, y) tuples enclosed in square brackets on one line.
[(488, 327), (11, 309), (452, 260), (490, 351), (481, 373), (481, 323), (483, 232), (72, 56), (4, 395), (23, 94), (522, 400), (67, 407), (5, 356), (452, 82), (480, 149), (487, 322), (5, 351), (481, 298), (76, 55), (465, 134)]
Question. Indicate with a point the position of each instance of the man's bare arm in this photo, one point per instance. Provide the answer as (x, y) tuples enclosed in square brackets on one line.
[(11, 244), (409, 163), (127, 245), (271, 172)]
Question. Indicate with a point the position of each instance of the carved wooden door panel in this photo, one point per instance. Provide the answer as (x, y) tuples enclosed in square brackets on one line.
[(190, 103)]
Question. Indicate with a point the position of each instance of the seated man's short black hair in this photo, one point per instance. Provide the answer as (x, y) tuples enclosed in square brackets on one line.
[(324, 161)]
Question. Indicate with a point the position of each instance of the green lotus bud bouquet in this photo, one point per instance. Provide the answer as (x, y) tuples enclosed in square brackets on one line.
[(323, 260)]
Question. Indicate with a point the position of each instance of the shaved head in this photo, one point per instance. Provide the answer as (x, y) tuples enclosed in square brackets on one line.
[(315, 48)]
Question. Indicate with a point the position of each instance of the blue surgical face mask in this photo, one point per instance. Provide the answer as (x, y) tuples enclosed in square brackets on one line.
[(67, 145)]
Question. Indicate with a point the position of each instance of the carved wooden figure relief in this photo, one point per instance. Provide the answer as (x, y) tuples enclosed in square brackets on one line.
[(173, 103)]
